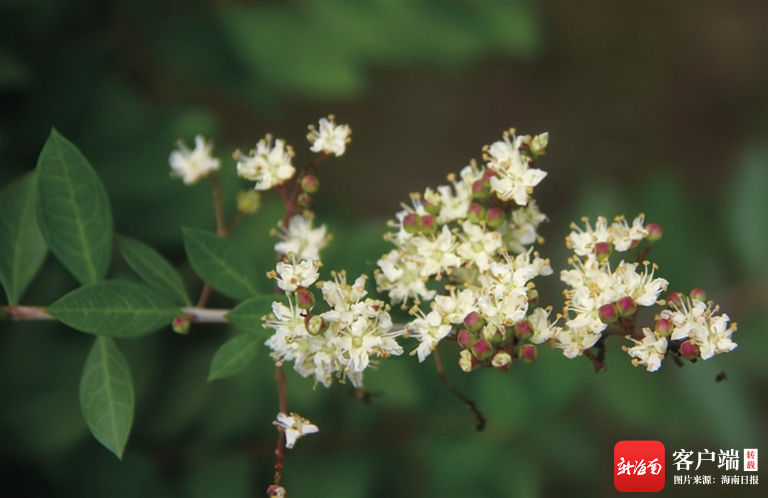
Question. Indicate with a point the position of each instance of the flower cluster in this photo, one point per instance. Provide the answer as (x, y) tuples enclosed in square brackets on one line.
[(476, 234), (192, 165), (338, 342), (689, 327), (599, 294)]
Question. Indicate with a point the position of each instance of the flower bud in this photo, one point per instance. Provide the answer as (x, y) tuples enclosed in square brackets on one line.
[(664, 328), (523, 329), (465, 339), (428, 224), (303, 200), (654, 232), (608, 313), (675, 299), (433, 209), (539, 144), (626, 306), (475, 213), (533, 298), (528, 352), (467, 362), (603, 251), (699, 295), (474, 322), (180, 325), (248, 201), (316, 325), (488, 174), (501, 360), (494, 217), (412, 223), (310, 184), (481, 350), (689, 350), (480, 189), (304, 298)]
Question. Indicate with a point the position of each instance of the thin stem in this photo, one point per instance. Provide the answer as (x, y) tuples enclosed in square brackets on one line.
[(195, 314), (205, 294), (283, 404), (218, 205), (469, 404)]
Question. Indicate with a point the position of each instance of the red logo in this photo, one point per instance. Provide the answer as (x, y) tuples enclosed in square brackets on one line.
[(638, 466)]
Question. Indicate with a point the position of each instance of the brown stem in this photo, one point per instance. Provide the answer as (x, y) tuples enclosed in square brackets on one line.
[(205, 294), (218, 205), (469, 404), (283, 403), (291, 198)]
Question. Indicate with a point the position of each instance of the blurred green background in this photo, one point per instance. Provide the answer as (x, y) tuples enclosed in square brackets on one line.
[(654, 107)]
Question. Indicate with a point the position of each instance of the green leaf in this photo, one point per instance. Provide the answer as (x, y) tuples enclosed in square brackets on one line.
[(115, 308), (234, 355), (106, 395), (22, 245), (73, 210), (151, 266), (247, 315), (220, 264)]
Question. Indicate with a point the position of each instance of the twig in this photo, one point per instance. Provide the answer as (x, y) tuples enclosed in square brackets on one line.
[(218, 205), (195, 314), (469, 404), (283, 403)]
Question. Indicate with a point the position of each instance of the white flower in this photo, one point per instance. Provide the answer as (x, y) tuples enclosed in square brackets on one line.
[(195, 164), (401, 278), (295, 426), (268, 166), (649, 352), (331, 139), (296, 275), (301, 239), (429, 330)]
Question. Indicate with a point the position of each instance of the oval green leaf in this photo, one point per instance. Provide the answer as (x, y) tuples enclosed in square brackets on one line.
[(220, 264), (106, 395), (115, 308), (73, 210), (234, 355), (22, 245), (247, 315), (154, 269)]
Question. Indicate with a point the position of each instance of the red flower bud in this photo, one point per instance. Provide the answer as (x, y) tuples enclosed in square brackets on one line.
[(494, 217), (654, 232), (473, 321), (676, 299), (528, 352), (475, 213), (664, 328), (608, 313), (689, 350), (699, 295), (304, 298), (428, 224), (411, 223), (626, 306), (310, 184)]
